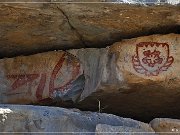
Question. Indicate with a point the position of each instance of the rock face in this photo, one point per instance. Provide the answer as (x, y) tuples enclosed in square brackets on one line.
[(33, 28), (126, 73), (33, 78), (16, 118), (103, 129), (166, 125)]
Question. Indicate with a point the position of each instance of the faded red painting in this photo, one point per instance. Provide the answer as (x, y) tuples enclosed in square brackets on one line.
[(59, 79), (152, 58)]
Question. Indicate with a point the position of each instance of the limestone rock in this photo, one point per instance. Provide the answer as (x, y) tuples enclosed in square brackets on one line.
[(28, 28), (166, 125), (21, 118)]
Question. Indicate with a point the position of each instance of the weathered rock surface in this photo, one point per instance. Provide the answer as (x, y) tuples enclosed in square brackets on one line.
[(166, 125), (38, 27), (20, 118), (32, 79), (120, 77), (103, 129)]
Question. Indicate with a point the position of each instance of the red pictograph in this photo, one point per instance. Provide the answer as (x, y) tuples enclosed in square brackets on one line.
[(152, 58), (74, 74), (54, 73), (40, 88), (21, 80)]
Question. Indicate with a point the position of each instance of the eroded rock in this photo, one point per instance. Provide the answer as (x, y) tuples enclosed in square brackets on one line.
[(20, 118)]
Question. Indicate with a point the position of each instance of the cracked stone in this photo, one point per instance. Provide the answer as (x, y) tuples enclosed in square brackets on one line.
[(28, 28)]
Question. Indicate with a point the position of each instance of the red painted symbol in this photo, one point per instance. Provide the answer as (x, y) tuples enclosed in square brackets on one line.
[(54, 73), (152, 58), (40, 88), (21, 80)]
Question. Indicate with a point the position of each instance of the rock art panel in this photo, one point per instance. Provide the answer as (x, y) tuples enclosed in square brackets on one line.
[(151, 57), (144, 66), (41, 76)]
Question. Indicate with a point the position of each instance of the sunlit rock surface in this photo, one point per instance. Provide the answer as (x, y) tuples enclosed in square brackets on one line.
[(27, 119)]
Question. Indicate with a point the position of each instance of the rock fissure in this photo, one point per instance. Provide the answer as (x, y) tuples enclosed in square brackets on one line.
[(73, 28), (35, 28)]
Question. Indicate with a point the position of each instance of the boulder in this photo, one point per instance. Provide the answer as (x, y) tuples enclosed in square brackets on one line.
[(34, 119), (166, 126), (29, 28), (103, 129)]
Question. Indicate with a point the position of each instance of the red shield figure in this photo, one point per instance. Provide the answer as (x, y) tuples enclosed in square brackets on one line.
[(152, 58)]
